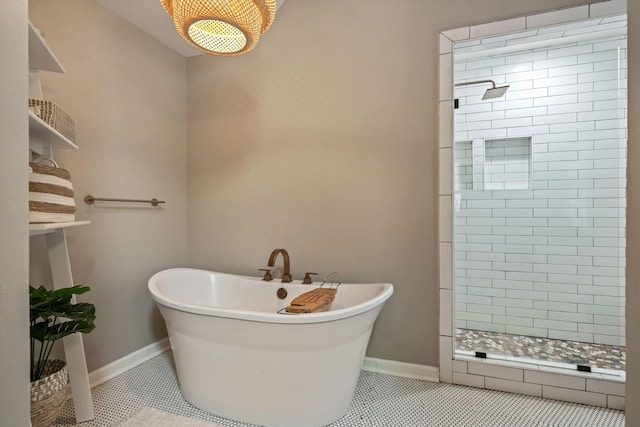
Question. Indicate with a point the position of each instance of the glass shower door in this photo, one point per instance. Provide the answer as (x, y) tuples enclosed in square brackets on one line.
[(540, 196)]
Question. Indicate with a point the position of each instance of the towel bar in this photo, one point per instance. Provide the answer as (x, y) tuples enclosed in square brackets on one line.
[(89, 199)]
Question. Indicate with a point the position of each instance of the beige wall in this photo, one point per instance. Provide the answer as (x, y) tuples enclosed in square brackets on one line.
[(14, 309), (127, 94), (323, 141)]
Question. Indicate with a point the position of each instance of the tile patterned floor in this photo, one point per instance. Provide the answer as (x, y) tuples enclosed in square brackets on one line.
[(379, 401), (602, 356)]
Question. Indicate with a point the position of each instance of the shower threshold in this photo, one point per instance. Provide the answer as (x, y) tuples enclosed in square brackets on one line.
[(608, 358)]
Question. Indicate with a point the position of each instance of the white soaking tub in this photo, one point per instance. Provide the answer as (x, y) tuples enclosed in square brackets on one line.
[(237, 357)]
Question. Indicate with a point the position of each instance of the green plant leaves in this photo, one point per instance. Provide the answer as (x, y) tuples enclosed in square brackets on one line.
[(53, 316)]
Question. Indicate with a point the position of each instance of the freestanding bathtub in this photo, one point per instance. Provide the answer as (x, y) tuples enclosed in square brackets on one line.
[(238, 358)]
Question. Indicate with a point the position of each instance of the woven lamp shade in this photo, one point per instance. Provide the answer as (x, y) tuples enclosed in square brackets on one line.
[(223, 27)]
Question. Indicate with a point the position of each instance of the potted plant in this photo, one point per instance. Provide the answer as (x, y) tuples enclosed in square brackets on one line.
[(53, 316)]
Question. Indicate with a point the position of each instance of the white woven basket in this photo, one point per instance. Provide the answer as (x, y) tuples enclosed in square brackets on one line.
[(50, 193), (55, 117)]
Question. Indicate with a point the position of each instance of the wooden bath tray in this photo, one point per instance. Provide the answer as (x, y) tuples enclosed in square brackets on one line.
[(312, 301)]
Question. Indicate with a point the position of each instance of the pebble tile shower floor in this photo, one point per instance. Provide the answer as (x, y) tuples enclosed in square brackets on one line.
[(379, 401), (609, 357)]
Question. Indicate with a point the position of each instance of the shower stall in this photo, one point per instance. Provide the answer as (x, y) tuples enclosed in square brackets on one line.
[(539, 154)]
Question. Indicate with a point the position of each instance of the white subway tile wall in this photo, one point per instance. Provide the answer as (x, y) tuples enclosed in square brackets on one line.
[(463, 165), (540, 188)]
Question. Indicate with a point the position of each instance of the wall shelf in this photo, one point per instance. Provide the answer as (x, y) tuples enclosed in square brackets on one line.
[(43, 136), (38, 229), (40, 56)]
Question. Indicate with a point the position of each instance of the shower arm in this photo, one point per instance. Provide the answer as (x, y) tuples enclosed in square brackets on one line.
[(493, 84), (493, 92)]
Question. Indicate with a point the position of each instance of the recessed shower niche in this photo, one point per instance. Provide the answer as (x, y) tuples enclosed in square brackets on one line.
[(494, 164), (507, 164)]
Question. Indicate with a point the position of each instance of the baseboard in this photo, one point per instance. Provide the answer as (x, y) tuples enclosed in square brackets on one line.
[(127, 362), (382, 366), (402, 369)]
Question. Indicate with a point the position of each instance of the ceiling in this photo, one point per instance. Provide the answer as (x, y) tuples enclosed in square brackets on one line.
[(150, 17)]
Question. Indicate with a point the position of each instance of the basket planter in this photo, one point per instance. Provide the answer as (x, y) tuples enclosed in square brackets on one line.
[(52, 316), (48, 393)]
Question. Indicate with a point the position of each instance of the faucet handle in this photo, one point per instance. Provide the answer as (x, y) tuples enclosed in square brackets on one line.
[(267, 274), (307, 278)]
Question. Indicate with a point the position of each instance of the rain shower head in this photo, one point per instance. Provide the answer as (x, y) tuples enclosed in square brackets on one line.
[(491, 93), (495, 92)]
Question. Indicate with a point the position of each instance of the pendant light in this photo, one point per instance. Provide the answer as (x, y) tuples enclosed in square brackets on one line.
[(222, 27)]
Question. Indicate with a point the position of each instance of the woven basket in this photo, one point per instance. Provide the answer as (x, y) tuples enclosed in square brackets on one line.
[(50, 193), (48, 393), (55, 117)]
